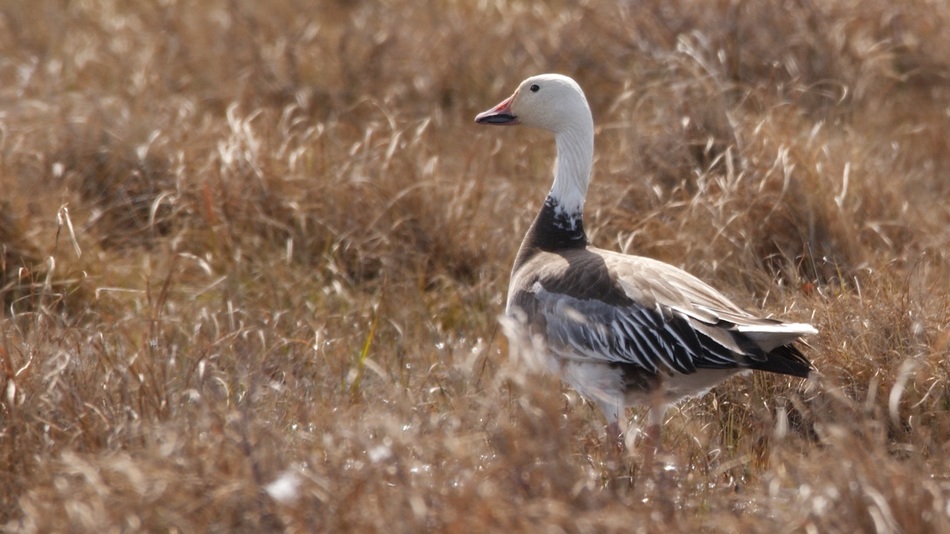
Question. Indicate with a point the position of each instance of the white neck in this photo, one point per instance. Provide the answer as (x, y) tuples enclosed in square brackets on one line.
[(575, 157)]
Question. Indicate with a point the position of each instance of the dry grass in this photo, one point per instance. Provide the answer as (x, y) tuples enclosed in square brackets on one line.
[(253, 258)]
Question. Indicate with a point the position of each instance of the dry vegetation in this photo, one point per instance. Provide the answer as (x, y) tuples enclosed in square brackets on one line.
[(253, 256)]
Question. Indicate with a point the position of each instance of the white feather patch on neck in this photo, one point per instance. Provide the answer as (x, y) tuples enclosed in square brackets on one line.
[(575, 156)]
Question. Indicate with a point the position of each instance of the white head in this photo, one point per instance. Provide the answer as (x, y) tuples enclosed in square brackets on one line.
[(551, 102), (555, 103)]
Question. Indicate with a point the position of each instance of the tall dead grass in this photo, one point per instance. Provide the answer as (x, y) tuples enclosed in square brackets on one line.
[(253, 258)]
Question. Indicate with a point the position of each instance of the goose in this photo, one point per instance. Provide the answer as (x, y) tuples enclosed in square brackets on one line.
[(621, 330)]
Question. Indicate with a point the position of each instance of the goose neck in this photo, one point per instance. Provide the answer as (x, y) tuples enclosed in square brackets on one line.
[(575, 155)]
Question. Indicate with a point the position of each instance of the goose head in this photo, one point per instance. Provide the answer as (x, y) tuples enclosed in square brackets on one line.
[(557, 104), (550, 102)]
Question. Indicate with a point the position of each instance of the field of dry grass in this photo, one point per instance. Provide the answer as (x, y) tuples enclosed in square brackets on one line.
[(252, 257)]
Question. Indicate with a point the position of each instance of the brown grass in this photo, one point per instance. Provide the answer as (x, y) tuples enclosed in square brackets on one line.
[(253, 256)]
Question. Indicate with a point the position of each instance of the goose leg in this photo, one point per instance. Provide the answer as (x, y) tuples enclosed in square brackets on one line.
[(653, 436), (613, 411), (658, 478), (651, 446), (614, 433)]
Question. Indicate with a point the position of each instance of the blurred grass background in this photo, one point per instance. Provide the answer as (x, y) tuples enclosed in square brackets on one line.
[(252, 258)]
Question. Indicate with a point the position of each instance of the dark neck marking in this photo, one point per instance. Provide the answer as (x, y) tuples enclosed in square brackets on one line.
[(553, 230)]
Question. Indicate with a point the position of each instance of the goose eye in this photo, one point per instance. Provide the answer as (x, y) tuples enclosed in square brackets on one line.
[(535, 88)]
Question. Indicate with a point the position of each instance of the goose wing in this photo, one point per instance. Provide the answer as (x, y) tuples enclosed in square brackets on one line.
[(600, 306)]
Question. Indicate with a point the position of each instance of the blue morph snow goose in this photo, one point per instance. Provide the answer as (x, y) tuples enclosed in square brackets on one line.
[(621, 329)]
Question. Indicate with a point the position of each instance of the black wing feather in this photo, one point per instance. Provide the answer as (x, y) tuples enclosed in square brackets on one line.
[(631, 335)]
